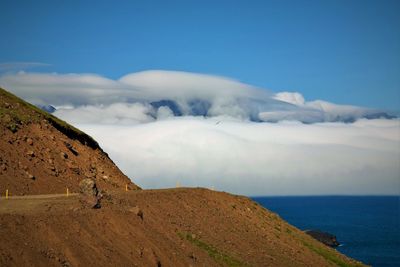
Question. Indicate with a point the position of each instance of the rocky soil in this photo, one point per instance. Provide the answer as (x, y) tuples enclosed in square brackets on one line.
[(40, 154), (172, 227)]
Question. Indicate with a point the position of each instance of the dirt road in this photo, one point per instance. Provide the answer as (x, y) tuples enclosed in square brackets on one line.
[(34, 203)]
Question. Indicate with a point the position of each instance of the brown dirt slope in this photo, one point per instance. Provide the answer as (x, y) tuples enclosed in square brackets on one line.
[(41, 154), (174, 227)]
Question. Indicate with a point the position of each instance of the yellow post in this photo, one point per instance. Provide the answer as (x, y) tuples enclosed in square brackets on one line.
[(67, 192), (126, 187), (178, 185), (6, 193)]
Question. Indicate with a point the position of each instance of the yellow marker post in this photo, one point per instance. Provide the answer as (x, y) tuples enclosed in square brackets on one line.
[(6, 193), (67, 192), (178, 185), (126, 187)]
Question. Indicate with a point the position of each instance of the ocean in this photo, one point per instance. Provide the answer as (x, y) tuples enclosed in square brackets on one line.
[(368, 227)]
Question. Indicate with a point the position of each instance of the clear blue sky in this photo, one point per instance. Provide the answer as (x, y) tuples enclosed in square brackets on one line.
[(340, 51)]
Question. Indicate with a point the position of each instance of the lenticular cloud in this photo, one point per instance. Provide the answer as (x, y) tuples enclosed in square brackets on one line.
[(177, 93)]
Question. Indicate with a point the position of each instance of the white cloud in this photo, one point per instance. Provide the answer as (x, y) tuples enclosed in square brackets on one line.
[(305, 115), (157, 84), (118, 113), (164, 113), (294, 98), (63, 89), (258, 158), (190, 93), (317, 111)]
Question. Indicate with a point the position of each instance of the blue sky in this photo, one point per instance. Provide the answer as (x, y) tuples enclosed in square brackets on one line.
[(346, 52)]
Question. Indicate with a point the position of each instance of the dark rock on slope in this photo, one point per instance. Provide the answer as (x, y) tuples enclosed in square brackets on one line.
[(323, 237)]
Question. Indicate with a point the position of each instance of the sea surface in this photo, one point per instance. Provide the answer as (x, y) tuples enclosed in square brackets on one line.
[(368, 227)]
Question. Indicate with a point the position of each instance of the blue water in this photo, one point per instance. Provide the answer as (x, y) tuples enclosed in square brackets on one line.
[(367, 226)]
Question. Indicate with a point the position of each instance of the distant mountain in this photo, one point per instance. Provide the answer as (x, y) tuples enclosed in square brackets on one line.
[(47, 108), (271, 110), (196, 107), (172, 105)]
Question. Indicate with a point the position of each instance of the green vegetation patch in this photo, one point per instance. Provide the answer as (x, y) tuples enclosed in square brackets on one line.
[(331, 256), (212, 251)]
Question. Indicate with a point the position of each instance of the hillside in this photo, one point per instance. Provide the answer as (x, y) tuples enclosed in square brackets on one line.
[(41, 154), (173, 227)]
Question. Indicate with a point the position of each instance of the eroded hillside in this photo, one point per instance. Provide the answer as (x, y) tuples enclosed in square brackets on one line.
[(41, 154), (173, 227)]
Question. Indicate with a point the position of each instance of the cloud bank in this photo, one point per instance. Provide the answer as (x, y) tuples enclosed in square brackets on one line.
[(163, 127), (258, 158)]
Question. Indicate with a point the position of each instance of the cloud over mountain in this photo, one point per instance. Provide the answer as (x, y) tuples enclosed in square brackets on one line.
[(180, 92)]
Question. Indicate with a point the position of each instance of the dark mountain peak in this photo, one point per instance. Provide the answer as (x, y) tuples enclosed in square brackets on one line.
[(47, 108)]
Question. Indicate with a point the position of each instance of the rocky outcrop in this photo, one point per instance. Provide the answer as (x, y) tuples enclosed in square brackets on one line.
[(88, 187), (91, 196), (323, 237)]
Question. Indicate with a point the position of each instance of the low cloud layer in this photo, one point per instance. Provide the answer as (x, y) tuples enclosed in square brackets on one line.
[(258, 158), (164, 127)]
